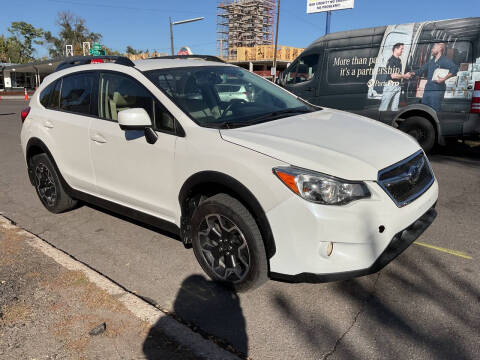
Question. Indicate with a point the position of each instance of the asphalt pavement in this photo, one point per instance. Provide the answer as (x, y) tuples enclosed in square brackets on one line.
[(424, 305)]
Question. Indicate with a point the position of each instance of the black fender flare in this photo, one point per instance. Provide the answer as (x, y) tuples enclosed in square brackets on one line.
[(240, 191), (36, 146)]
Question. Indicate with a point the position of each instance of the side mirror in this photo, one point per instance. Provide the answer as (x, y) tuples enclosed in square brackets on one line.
[(134, 119)]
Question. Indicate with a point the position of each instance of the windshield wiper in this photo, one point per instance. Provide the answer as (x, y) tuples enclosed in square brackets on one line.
[(226, 124), (277, 115), (263, 118)]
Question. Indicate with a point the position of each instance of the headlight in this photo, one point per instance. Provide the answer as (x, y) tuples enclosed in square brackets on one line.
[(320, 188)]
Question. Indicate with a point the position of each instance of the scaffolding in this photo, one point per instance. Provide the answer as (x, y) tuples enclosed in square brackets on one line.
[(243, 23)]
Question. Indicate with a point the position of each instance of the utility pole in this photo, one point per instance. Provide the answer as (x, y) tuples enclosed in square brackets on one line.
[(171, 36), (276, 44), (327, 25), (179, 23)]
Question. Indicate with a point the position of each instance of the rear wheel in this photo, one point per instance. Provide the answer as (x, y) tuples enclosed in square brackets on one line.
[(48, 186), (227, 243), (421, 130)]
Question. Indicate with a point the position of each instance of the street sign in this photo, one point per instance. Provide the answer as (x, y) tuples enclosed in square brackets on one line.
[(315, 6), (96, 50)]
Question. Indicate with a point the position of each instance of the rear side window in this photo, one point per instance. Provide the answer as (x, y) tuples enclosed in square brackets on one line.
[(46, 94), (55, 98), (76, 93)]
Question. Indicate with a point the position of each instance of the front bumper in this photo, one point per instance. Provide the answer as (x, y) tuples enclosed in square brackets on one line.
[(360, 231), (400, 242)]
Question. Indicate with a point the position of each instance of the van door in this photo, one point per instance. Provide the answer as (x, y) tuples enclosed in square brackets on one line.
[(343, 82), (384, 92), (301, 78)]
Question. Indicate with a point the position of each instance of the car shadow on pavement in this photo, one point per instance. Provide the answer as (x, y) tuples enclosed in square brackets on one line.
[(419, 304), (207, 308), (460, 152)]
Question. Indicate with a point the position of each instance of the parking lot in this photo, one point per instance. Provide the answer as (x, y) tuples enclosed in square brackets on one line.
[(426, 304)]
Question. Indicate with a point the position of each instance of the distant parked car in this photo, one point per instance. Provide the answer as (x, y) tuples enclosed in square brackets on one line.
[(269, 187), (228, 92)]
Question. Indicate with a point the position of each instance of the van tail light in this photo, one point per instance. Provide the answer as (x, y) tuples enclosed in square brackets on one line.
[(25, 113), (475, 108)]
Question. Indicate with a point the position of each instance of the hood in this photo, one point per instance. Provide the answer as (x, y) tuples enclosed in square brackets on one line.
[(329, 141)]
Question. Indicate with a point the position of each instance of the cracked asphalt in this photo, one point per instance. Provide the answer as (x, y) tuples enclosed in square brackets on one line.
[(424, 305)]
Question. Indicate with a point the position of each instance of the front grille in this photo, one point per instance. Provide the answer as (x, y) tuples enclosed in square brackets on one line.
[(407, 180)]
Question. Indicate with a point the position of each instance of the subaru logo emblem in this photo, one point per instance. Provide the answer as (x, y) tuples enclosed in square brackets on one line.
[(414, 171)]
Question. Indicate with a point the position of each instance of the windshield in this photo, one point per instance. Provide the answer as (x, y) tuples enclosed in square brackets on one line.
[(226, 96)]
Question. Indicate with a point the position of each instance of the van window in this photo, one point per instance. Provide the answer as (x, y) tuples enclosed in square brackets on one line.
[(307, 65), (351, 66), (76, 93), (291, 74)]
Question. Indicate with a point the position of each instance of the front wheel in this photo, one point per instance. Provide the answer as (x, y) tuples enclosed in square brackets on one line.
[(421, 130), (227, 243)]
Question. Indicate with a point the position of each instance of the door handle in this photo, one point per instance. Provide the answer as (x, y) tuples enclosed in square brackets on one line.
[(48, 124), (98, 139)]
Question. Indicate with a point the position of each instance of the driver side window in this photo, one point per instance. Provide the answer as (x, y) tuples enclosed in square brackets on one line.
[(291, 74), (119, 92), (307, 66)]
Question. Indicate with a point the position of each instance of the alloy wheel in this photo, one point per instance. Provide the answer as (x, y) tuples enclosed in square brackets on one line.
[(224, 248), (45, 185)]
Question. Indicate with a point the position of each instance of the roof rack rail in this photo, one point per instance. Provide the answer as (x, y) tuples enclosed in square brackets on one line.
[(82, 60), (187, 57)]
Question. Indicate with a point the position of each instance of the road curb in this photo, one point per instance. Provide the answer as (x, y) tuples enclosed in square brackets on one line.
[(166, 324)]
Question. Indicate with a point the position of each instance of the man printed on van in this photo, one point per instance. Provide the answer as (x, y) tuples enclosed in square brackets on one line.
[(392, 90), (435, 87)]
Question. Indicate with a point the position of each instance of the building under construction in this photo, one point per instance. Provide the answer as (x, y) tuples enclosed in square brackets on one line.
[(243, 23)]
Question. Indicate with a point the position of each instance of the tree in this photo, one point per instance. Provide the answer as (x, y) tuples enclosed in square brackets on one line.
[(19, 47), (131, 51), (73, 31)]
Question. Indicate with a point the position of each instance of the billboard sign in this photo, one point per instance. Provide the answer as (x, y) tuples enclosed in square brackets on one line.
[(315, 6)]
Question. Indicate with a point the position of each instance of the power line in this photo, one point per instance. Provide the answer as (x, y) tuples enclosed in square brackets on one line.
[(121, 7)]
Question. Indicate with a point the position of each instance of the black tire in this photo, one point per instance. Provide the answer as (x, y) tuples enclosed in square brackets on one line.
[(421, 130), (48, 185), (232, 213)]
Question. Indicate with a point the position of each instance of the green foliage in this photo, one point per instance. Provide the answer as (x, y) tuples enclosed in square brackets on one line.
[(73, 31), (130, 50), (19, 46)]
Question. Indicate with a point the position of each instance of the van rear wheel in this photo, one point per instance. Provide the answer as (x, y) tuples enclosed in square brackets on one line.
[(421, 130)]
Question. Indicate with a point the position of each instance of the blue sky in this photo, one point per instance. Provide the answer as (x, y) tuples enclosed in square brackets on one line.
[(143, 24)]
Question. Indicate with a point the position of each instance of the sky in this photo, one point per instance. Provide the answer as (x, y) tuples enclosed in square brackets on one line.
[(144, 24)]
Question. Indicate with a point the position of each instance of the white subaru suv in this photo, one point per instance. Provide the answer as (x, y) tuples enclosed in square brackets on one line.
[(267, 186)]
